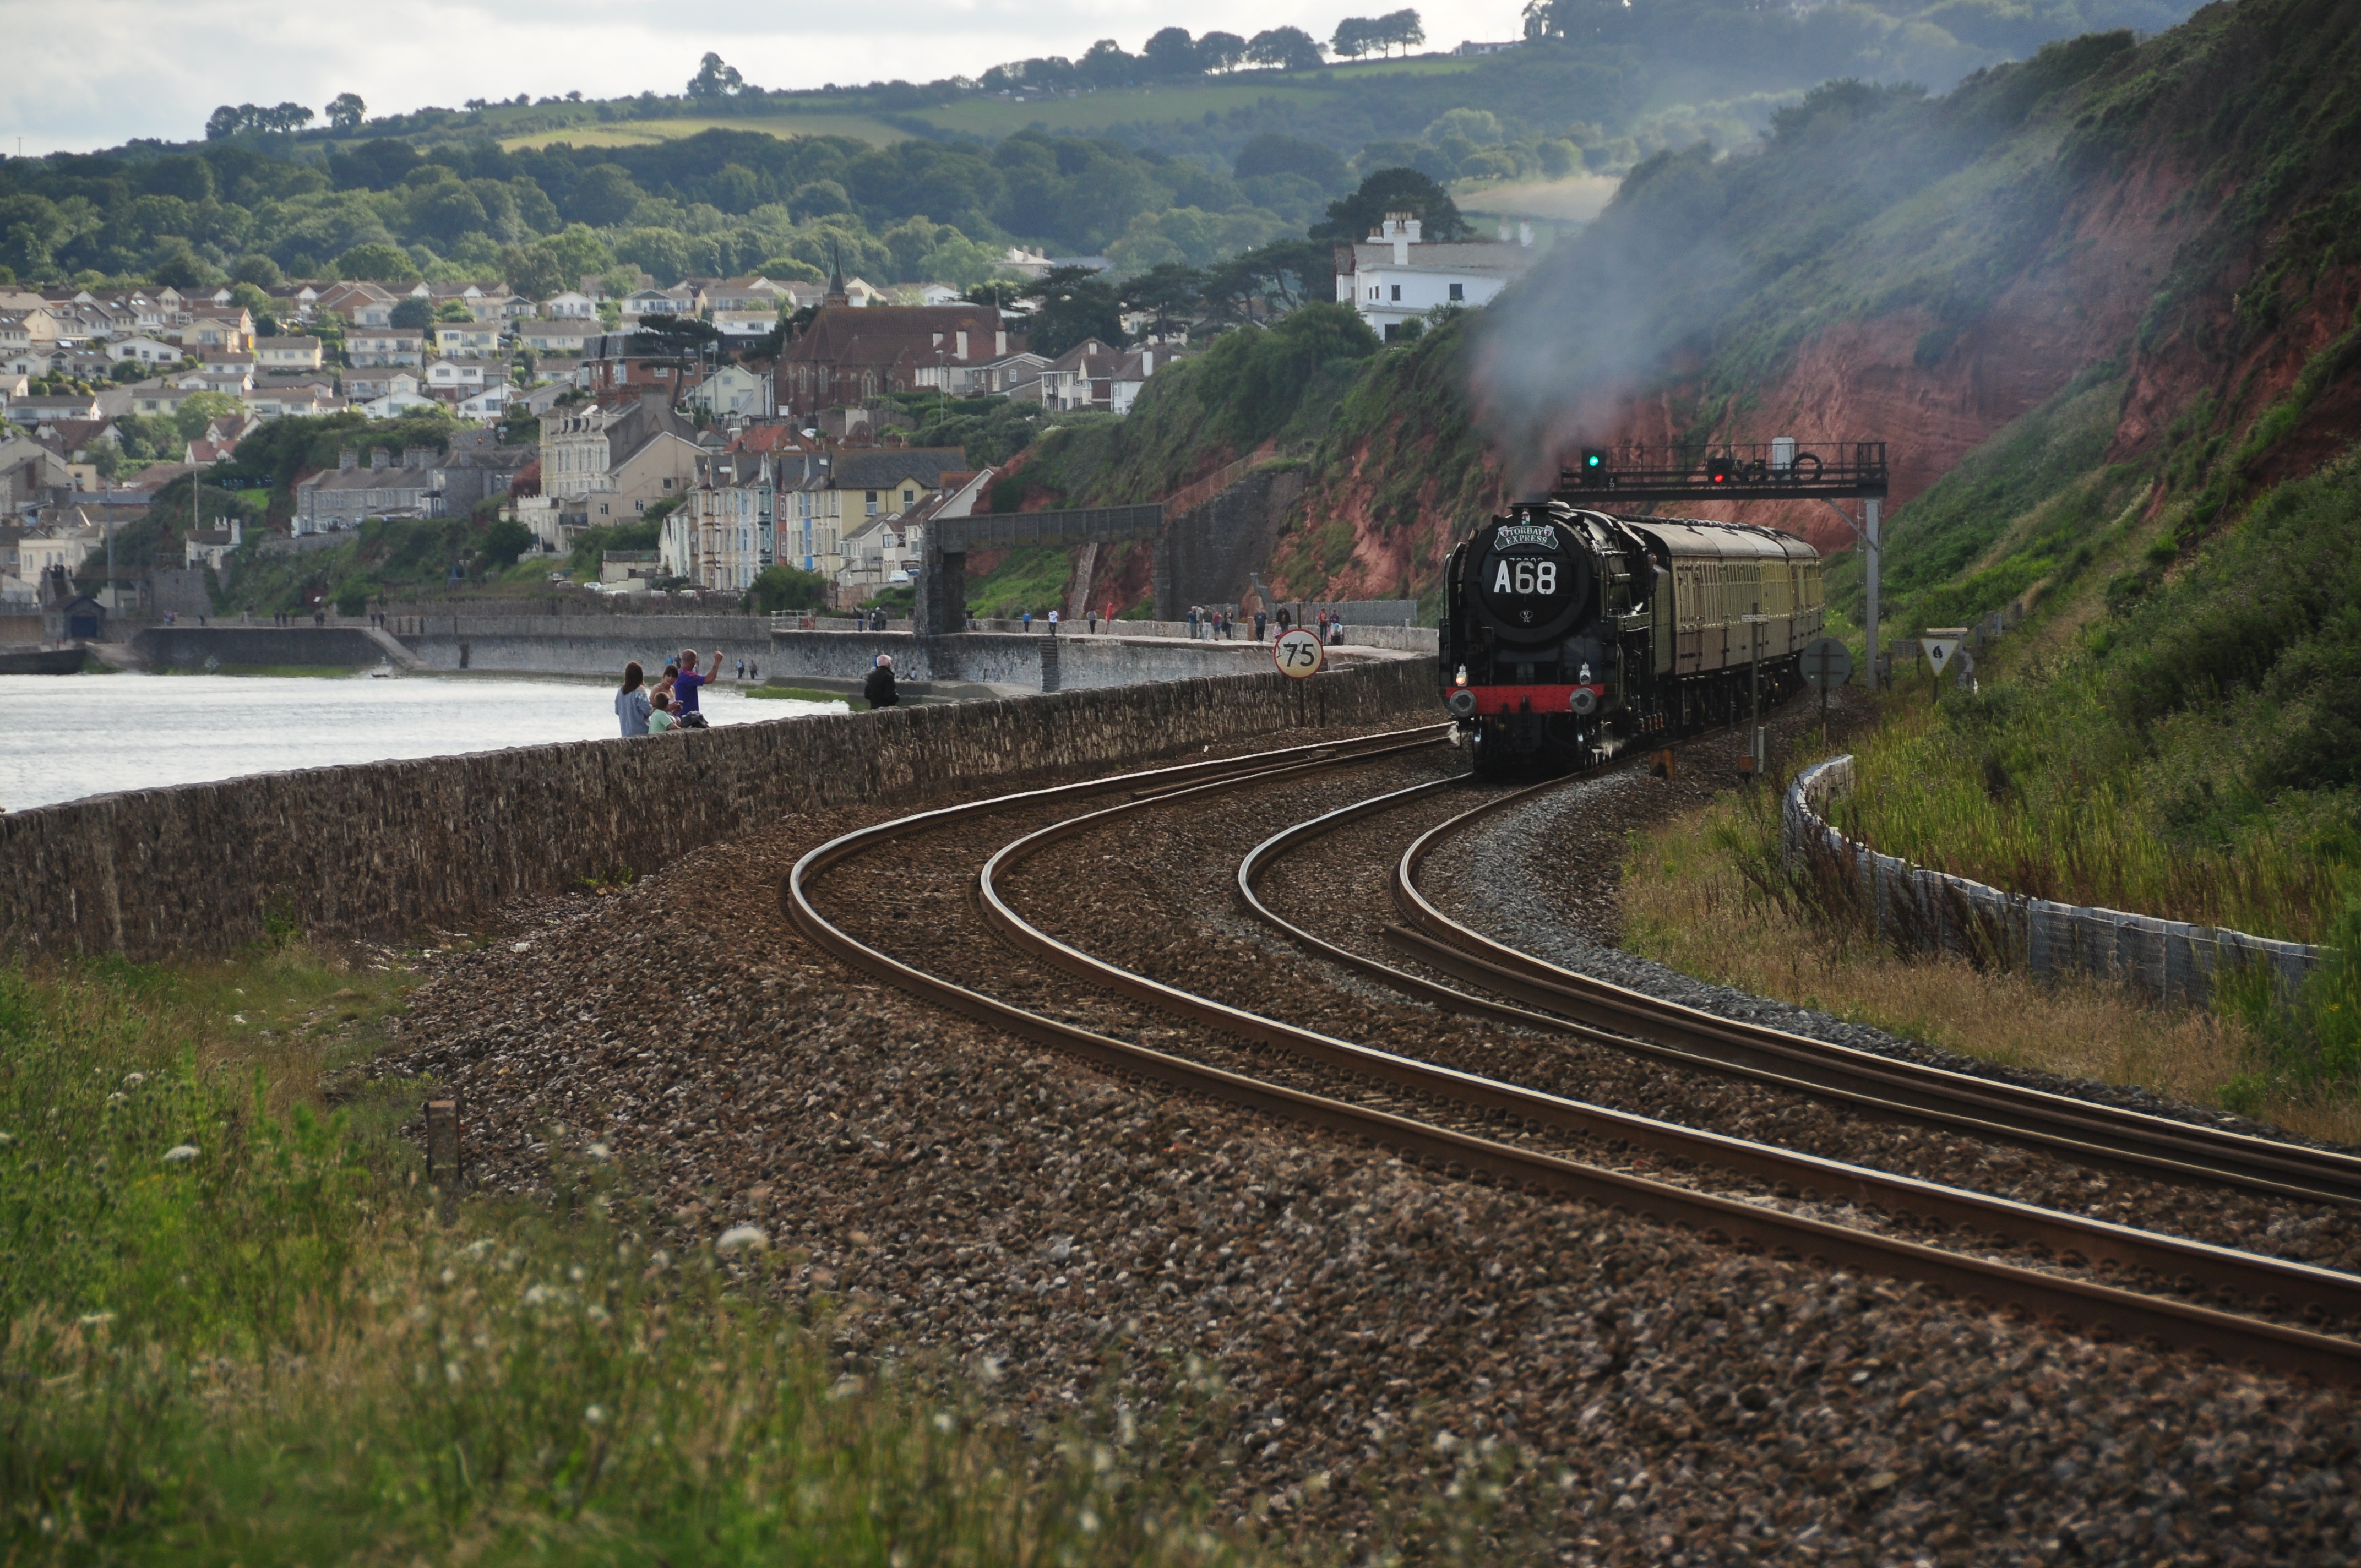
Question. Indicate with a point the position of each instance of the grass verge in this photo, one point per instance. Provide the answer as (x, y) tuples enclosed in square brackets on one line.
[(1705, 894), (235, 1334)]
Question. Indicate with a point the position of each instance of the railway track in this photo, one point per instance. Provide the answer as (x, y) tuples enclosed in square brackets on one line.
[(1409, 1105)]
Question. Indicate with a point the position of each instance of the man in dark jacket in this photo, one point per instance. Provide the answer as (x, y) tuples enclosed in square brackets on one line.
[(878, 690)]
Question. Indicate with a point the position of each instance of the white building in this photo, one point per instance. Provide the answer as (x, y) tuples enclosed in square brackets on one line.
[(734, 390), (1394, 276)]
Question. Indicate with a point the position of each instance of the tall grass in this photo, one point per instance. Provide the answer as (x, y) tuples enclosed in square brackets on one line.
[(234, 1334), (1711, 895), (2030, 787)]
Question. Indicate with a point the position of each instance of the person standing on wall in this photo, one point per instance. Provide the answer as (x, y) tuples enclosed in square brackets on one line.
[(1094, 622), (878, 690), (1053, 622), (632, 702)]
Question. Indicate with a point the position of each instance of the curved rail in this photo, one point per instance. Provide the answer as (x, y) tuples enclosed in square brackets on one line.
[(2105, 1309), (2254, 1277), (2084, 1130)]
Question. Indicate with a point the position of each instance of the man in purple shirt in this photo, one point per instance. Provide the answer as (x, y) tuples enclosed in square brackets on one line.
[(684, 689)]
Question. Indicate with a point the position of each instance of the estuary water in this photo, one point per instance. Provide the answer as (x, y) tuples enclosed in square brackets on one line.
[(70, 736)]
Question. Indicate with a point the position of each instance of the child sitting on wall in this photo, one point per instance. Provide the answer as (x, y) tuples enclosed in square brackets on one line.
[(659, 714)]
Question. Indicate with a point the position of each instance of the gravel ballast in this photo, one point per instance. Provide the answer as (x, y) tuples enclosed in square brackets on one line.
[(1384, 1333)]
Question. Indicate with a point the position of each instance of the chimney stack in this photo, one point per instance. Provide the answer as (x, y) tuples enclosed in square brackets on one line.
[(348, 459), (1525, 235), (378, 458)]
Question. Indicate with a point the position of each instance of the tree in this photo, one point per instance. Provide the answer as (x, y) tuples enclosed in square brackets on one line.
[(1356, 36), (258, 270), (786, 588), (1284, 49), (1172, 291), (1106, 65), (606, 195), (505, 540), (415, 315), (1170, 52), (1272, 153), (199, 410), (1282, 278), (227, 121), (715, 79), (1071, 303), (1394, 191), (1399, 28), (1220, 51), (346, 112)]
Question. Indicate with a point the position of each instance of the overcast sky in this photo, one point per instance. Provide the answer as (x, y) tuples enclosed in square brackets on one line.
[(102, 71)]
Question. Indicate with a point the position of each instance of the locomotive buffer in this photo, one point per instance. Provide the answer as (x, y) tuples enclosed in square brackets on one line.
[(1779, 470)]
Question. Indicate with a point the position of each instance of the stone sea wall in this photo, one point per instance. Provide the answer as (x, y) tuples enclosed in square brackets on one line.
[(384, 850)]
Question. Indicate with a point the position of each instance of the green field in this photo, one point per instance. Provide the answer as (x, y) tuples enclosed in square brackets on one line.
[(1575, 200), (993, 118), (643, 133)]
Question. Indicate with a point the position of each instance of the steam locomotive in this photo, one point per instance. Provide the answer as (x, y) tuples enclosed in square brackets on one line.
[(1569, 633)]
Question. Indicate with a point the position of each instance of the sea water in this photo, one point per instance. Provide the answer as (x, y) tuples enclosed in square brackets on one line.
[(64, 737)]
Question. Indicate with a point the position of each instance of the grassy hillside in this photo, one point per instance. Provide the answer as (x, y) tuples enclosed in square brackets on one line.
[(647, 133)]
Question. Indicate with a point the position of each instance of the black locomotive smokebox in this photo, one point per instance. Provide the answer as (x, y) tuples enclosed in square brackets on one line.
[(1534, 578)]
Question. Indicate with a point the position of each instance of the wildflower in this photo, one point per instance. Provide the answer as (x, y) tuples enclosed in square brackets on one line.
[(117, 1098), (1445, 1443), (743, 1237), (96, 1320), (1088, 1521), (134, 1079), (180, 1154), (237, 1017), (594, 1414), (599, 1151), (944, 1420)]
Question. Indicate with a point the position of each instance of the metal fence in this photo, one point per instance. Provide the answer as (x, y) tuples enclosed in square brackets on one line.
[(2169, 960)]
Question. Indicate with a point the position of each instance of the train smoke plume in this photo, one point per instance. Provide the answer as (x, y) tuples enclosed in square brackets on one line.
[(1602, 318)]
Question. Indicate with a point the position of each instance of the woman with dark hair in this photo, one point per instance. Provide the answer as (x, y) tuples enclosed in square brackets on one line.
[(632, 702)]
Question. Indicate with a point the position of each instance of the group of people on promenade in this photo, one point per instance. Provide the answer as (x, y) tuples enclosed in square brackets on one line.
[(672, 703), (1223, 624)]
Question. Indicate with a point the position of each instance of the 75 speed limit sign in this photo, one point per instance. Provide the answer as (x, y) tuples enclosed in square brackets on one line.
[(1299, 654)]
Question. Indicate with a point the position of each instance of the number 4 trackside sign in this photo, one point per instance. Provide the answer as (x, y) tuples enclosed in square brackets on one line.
[(1299, 654)]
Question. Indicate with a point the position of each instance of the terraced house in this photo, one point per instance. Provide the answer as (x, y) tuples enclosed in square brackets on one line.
[(830, 498), (723, 536)]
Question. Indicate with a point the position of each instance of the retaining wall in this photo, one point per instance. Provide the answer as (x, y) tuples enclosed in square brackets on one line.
[(195, 647), (381, 849), (2170, 960), (1039, 662)]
